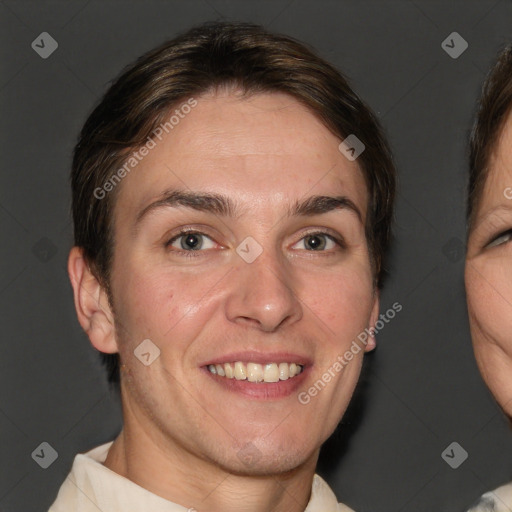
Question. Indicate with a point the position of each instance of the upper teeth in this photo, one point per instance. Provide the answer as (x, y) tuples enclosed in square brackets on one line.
[(254, 372)]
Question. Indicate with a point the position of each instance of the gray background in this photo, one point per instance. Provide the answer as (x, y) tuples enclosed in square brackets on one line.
[(421, 390)]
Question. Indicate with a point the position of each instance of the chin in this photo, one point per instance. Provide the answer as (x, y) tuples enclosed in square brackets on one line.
[(266, 465), (257, 458)]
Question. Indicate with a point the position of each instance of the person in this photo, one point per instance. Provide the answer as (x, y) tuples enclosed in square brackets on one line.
[(489, 248), (232, 207)]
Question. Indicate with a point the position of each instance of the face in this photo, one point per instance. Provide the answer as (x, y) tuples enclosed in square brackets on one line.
[(488, 275), (240, 241)]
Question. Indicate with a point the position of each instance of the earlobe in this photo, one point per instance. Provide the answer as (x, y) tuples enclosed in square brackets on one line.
[(91, 303), (374, 316)]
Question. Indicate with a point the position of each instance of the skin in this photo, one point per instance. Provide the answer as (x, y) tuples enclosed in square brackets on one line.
[(487, 274), (265, 152)]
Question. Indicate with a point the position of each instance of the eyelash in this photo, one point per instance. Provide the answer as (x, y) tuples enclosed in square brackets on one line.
[(194, 254), (497, 237)]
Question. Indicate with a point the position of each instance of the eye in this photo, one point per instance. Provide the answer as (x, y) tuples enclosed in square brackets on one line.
[(500, 239), (191, 241), (318, 242)]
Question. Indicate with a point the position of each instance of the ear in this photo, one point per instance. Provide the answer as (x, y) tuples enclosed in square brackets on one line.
[(374, 316), (91, 304)]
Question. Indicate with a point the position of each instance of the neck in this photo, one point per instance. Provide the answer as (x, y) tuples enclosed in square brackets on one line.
[(145, 456)]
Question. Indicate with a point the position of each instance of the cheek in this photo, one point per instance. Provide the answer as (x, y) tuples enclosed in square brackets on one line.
[(152, 301), (342, 300), (489, 295)]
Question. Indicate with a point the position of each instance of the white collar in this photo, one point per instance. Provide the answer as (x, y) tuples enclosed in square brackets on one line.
[(91, 486)]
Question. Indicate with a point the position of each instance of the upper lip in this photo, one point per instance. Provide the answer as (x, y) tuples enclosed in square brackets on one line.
[(259, 357)]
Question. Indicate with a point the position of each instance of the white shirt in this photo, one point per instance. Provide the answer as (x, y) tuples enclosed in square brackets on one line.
[(92, 487), (499, 500)]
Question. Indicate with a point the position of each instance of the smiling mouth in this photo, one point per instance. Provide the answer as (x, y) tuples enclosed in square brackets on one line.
[(255, 372)]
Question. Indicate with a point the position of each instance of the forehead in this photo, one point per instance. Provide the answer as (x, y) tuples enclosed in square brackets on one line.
[(499, 175), (265, 149)]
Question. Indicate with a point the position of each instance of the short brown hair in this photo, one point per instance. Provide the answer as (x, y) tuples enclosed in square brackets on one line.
[(239, 55), (494, 106)]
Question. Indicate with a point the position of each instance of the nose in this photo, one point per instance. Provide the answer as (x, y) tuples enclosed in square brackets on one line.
[(262, 294)]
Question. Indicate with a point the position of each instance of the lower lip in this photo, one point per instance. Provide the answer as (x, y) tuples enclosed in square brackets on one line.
[(261, 390)]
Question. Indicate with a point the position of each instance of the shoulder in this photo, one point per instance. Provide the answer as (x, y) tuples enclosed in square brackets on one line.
[(323, 498), (499, 500), (78, 491)]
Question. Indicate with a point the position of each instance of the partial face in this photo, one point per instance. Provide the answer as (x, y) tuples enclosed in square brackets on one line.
[(489, 275), (263, 274)]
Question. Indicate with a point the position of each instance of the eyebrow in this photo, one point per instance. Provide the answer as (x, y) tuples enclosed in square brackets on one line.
[(493, 212), (226, 207)]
